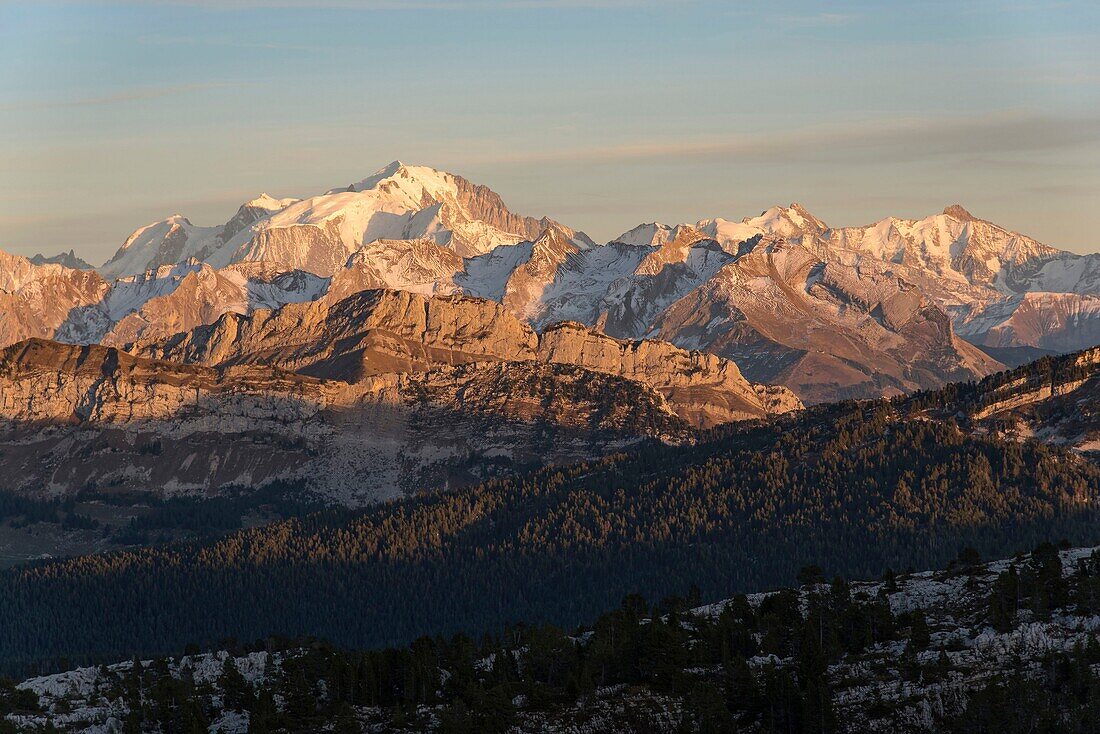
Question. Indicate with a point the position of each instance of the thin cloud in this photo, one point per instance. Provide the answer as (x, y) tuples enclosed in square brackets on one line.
[(134, 94), (223, 42), (818, 19), (1062, 190), (456, 5), (1063, 79), (892, 140)]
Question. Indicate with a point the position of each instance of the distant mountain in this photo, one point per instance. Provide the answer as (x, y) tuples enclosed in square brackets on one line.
[(825, 329), (175, 298), (320, 233), (831, 313), (68, 259), (379, 332), (991, 280), (37, 300)]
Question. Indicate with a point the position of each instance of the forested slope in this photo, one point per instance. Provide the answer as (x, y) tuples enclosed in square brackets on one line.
[(1007, 646), (855, 487)]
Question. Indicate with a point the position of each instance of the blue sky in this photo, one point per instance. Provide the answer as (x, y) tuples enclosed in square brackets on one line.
[(601, 114)]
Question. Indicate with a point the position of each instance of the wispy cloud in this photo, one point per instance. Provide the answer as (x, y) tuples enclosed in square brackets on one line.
[(1063, 78), (887, 140), (223, 42), (818, 19), (1063, 190), (122, 96), (455, 5)]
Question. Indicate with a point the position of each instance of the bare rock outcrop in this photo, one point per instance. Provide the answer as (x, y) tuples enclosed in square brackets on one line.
[(702, 388), (77, 417), (382, 331), (370, 332)]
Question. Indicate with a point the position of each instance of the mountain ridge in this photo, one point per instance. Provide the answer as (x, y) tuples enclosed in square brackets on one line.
[(855, 487), (375, 395), (829, 312)]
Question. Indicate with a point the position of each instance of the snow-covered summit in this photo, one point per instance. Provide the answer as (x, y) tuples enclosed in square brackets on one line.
[(319, 233), (269, 202), (411, 179)]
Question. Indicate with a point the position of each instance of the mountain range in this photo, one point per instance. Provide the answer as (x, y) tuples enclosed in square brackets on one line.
[(400, 411), (362, 398), (829, 312), (343, 327)]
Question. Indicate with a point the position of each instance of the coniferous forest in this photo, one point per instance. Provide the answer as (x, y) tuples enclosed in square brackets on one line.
[(813, 659), (854, 487)]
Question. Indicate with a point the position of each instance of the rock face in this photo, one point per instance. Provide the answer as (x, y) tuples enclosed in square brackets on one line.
[(46, 381), (376, 332), (360, 398), (203, 294), (77, 306), (977, 271), (862, 330), (704, 389), (1054, 322), (370, 332), (95, 417), (1055, 399), (36, 300)]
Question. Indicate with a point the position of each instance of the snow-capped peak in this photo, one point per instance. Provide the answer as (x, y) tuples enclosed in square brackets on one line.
[(787, 221), (414, 180), (268, 202), (317, 234), (646, 235)]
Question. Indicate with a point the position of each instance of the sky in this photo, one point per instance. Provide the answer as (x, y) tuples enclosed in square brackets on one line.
[(599, 113)]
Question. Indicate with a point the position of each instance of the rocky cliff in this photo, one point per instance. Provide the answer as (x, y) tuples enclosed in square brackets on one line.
[(377, 332), (95, 417), (702, 388)]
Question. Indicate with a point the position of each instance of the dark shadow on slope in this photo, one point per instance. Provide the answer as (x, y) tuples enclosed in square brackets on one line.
[(856, 488)]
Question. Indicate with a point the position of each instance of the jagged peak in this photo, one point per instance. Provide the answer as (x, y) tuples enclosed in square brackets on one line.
[(806, 214), (777, 218), (555, 231), (65, 259), (958, 211)]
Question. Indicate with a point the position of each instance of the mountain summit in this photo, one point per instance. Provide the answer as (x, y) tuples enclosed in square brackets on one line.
[(320, 233)]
